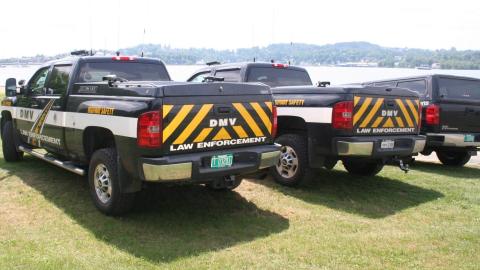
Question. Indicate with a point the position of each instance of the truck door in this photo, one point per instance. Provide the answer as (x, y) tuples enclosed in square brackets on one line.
[(30, 106), (40, 116), (54, 110)]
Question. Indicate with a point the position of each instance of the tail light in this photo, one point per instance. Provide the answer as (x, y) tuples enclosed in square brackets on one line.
[(278, 65), (420, 109), (342, 115), (123, 58), (432, 115), (274, 121), (149, 130)]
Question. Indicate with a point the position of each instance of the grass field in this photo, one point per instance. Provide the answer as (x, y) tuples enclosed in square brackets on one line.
[(426, 219)]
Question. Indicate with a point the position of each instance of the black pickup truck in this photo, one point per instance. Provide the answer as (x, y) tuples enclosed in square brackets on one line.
[(123, 122), (451, 114), (363, 126)]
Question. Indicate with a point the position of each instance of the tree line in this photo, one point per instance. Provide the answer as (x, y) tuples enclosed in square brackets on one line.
[(302, 54)]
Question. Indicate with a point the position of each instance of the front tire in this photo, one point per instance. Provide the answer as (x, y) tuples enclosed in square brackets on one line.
[(457, 159), (105, 184), (363, 168), (292, 166), (9, 148)]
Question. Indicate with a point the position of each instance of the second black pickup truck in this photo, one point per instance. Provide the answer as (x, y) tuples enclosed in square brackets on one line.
[(363, 126), (451, 114), (121, 121)]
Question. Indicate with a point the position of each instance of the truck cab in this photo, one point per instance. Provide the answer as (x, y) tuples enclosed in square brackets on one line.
[(450, 116)]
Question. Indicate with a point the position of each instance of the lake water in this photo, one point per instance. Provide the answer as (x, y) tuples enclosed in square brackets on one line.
[(336, 75)]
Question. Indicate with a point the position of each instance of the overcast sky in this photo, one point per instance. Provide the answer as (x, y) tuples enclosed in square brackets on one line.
[(55, 26)]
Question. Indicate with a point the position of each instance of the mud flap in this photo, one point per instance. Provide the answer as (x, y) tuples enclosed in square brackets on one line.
[(128, 184)]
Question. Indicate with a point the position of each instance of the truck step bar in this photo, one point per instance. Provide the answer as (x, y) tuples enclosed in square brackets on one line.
[(62, 164)]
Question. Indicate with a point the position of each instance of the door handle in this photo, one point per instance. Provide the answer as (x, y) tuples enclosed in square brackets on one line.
[(223, 110), (34, 105)]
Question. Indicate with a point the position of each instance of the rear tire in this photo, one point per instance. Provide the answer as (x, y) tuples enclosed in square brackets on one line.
[(456, 159), (105, 184), (363, 168), (9, 148), (292, 166)]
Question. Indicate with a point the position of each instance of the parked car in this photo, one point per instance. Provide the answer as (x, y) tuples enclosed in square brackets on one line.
[(451, 114)]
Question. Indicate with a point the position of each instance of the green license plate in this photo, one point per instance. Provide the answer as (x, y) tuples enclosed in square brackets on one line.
[(469, 138), (222, 161)]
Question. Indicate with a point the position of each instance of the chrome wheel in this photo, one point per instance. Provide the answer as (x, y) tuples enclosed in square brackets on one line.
[(287, 165), (103, 184)]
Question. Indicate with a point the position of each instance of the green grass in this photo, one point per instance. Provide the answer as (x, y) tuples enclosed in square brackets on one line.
[(426, 219)]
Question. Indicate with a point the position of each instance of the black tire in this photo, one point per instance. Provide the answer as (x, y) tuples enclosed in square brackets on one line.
[(109, 199), (292, 167), (219, 186), (362, 167), (456, 159), (9, 148)]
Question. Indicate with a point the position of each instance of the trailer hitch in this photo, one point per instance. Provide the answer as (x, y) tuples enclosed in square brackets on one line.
[(404, 167)]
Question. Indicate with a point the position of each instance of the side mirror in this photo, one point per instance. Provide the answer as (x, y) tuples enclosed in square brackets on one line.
[(323, 84), (11, 87)]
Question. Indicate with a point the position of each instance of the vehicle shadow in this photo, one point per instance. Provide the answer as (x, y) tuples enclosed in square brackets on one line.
[(167, 223), (437, 168), (371, 197)]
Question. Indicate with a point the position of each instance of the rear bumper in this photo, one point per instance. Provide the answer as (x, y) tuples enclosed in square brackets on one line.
[(405, 145), (196, 166), (453, 139)]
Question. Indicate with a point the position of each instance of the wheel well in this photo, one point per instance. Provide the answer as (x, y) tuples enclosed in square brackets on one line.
[(291, 124), (6, 116), (95, 138)]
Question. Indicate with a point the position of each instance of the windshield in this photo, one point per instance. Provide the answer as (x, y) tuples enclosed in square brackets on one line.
[(278, 77), (132, 71), (459, 88)]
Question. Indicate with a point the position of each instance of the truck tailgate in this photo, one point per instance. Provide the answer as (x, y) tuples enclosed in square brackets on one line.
[(237, 115), (385, 115)]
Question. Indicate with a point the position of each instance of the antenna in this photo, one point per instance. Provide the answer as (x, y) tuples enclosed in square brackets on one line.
[(143, 40), (118, 26)]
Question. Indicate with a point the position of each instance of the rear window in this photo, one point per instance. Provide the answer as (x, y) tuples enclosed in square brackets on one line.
[(278, 77), (229, 75), (132, 71), (419, 86), (386, 84), (458, 88)]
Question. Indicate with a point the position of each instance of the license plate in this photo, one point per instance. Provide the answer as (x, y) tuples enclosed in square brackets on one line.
[(221, 161), (469, 138), (387, 144)]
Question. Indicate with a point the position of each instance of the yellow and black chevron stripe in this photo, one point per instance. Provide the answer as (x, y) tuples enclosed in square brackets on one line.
[(190, 123), (40, 122), (367, 112)]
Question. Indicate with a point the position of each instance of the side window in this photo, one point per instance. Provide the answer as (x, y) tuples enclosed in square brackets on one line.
[(37, 83), (419, 86), (199, 77), (58, 82), (229, 75)]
